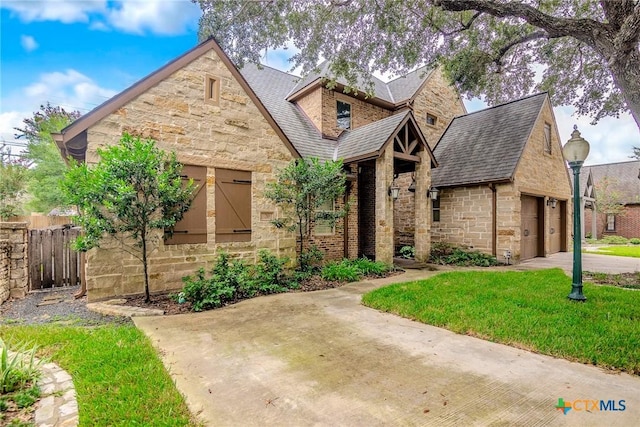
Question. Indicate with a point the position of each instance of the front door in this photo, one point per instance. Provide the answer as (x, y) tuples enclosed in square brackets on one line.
[(532, 227)]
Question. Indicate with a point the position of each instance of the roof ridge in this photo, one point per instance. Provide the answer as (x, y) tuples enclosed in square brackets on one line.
[(260, 64), (614, 163), (503, 104), (406, 74)]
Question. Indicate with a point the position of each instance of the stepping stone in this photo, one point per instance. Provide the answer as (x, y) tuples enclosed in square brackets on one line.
[(49, 302)]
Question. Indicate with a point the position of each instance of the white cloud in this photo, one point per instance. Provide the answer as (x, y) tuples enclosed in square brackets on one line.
[(28, 43), (157, 16), (66, 11), (129, 16)]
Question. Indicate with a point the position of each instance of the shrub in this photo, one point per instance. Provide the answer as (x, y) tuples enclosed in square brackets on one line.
[(408, 252), (270, 274), (446, 254), (18, 368), (634, 241), (343, 271), (206, 293), (370, 268), (614, 240), (310, 259)]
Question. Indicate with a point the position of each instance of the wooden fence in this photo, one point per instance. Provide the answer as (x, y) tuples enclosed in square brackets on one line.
[(36, 222), (52, 263)]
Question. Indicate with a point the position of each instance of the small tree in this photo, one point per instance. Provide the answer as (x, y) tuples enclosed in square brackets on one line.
[(608, 200), (13, 177), (133, 190), (48, 166), (300, 190)]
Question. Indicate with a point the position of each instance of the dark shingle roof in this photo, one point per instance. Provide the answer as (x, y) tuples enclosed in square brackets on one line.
[(271, 86), (624, 177), (404, 87), (485, 146), (368, 139)]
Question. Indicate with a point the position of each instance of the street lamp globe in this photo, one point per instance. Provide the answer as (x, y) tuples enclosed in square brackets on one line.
[(576, 149)]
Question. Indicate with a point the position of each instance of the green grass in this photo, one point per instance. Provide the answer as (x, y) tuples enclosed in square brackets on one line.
[(628, 251), (118, 377), (528, 310)]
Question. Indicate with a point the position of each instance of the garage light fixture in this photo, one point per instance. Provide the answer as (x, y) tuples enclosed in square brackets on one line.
[(553, 202)]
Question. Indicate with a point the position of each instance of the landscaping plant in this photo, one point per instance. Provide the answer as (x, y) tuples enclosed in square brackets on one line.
[(446, 254), (408, 252), (134, 193), (19, 372)]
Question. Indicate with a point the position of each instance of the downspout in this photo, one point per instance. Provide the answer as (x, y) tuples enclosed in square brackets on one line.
[(347, 194), (494, 219)]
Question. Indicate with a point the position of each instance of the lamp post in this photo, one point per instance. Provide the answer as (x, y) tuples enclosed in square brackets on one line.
[(575, 152)]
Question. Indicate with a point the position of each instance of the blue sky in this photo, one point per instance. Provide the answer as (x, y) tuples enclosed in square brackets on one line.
[(79, 53)]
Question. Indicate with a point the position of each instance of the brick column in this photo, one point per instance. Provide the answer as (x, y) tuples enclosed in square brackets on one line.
[(384, 207)]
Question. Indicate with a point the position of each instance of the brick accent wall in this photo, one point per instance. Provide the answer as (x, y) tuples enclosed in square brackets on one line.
[(362, 113), (311, 104), (14, 268), (230, 135), (626, 226), (440, 99)]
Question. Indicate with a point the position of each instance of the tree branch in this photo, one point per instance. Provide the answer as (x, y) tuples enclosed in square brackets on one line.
[(524, 39), (582, 29), (627, 37)]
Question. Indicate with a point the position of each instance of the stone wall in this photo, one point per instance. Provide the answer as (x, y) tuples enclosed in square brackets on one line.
[(14, 268), (439, 99), (404, 213), (231, 134)]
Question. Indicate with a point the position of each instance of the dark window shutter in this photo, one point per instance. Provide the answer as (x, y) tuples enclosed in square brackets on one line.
[(233, 206), (192, 228)]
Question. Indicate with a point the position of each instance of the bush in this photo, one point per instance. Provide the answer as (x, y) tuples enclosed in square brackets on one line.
[(614, 240), (370, 268), (310, 259), (343, 271), (634, 241), (446, 254), (270, 275), (18, 368), (407, 252)]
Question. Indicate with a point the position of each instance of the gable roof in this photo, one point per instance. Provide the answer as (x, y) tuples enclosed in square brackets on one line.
[(268, 89), (625, 175), (485, 146), (72, 139)]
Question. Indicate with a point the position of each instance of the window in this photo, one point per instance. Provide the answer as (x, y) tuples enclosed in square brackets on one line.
[(344, 115), (324, 226), (435, 209), (431, 119), (547, 138), (212, 90), (233, 206), (611, 222), (192, 228)]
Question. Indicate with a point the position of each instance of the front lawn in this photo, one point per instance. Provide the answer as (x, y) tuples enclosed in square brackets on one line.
[(628, 251), (118, 377), (528, 310)]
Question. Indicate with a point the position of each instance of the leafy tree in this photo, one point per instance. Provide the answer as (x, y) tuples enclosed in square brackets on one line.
[(48, 166), (12, 186), (587, 50), (134, 190), (608, 200), (300, 190)]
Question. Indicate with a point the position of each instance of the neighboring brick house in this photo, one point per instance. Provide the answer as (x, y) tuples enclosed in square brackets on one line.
[(503, 181), (234, 129), (624, 180)]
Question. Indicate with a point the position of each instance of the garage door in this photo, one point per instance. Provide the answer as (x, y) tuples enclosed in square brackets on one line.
[(556, 229), (532, 235)]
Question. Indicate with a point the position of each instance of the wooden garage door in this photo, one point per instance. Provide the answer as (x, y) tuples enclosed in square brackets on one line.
[(532, 235), (558, 228)]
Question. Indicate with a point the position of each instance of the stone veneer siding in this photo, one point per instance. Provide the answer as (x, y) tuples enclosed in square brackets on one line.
[(440, 99), (627, 225), (14, 267), (230, 135)]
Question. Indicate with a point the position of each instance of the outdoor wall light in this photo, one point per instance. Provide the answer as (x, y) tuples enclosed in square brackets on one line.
[(553, 202), (433, 193), (412, 186), (394, 191)]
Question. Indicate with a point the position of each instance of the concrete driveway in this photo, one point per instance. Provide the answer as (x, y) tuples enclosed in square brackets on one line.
[(590, 262), (323, 359)]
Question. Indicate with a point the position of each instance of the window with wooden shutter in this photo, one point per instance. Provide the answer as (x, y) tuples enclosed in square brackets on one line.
[(233, 206), (193, 226)]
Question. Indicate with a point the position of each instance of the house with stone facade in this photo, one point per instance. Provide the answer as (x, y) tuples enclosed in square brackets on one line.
[(234, 129), (624, 183)]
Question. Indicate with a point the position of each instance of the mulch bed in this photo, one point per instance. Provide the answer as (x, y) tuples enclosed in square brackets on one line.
[(169, 305), (621, 280)]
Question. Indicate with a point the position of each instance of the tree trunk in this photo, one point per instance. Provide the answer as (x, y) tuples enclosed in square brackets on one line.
[(144, 263), (626, 74)]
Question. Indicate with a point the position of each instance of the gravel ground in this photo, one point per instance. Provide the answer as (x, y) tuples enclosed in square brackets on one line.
[(53, 306)]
